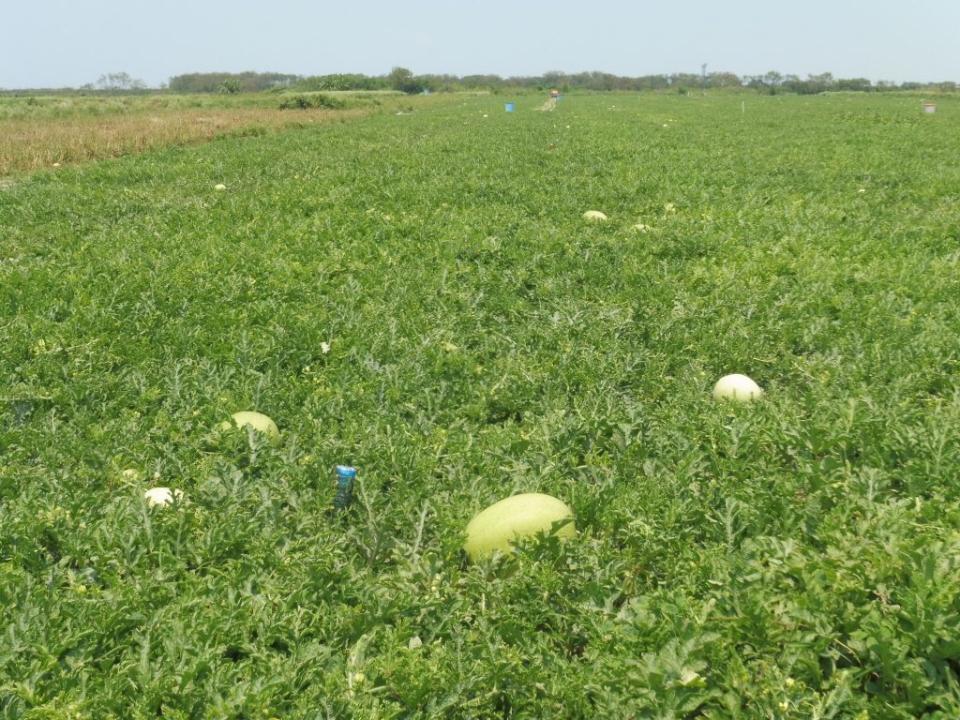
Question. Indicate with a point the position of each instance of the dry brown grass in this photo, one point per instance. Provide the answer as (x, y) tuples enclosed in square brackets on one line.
[(31, 143)]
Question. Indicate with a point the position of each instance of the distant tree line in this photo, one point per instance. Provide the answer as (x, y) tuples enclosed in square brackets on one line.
[(230, 82), (404, 80), (772, 82), (116, 82)]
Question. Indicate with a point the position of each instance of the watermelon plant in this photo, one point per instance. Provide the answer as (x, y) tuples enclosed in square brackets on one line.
[(419, 297)]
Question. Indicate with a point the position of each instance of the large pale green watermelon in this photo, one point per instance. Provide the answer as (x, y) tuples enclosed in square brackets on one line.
[(517, 517)]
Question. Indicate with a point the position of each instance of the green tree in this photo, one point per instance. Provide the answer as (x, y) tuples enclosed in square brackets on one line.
[(403, 80), (230, 86), (120, 81), (772, 79)]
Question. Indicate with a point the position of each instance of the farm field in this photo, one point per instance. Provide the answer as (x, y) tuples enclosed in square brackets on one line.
[(38, 131), (418, 295)]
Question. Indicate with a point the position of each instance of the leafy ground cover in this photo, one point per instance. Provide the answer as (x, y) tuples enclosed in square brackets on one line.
[(418, 295)]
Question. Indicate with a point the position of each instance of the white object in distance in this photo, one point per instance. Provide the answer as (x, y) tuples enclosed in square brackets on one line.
[(594, 216)]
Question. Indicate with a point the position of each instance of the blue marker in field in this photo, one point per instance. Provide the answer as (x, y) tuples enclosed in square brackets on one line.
[(345, 478), (509, 107)]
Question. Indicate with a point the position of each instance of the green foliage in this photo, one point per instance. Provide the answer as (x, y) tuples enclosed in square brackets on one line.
[(230, 86), (243, 82), (311, 101), (404, 81), (418, 296), (341, 82)]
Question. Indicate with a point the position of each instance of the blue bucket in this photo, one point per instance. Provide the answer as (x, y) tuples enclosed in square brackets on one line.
[(509, 107)]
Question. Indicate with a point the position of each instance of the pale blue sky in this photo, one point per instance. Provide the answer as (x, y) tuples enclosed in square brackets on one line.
[(54, 43)]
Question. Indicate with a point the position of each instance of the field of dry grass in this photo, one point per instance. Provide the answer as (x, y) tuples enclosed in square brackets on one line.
[(40, 132), (31, 144)]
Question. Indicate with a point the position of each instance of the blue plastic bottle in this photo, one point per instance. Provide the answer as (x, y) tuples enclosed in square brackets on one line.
[(345, 478)]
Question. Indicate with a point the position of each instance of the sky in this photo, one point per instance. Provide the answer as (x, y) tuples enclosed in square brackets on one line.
[(63, 43)]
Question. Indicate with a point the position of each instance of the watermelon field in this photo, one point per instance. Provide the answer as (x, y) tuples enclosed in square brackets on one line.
[(418, 295)]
